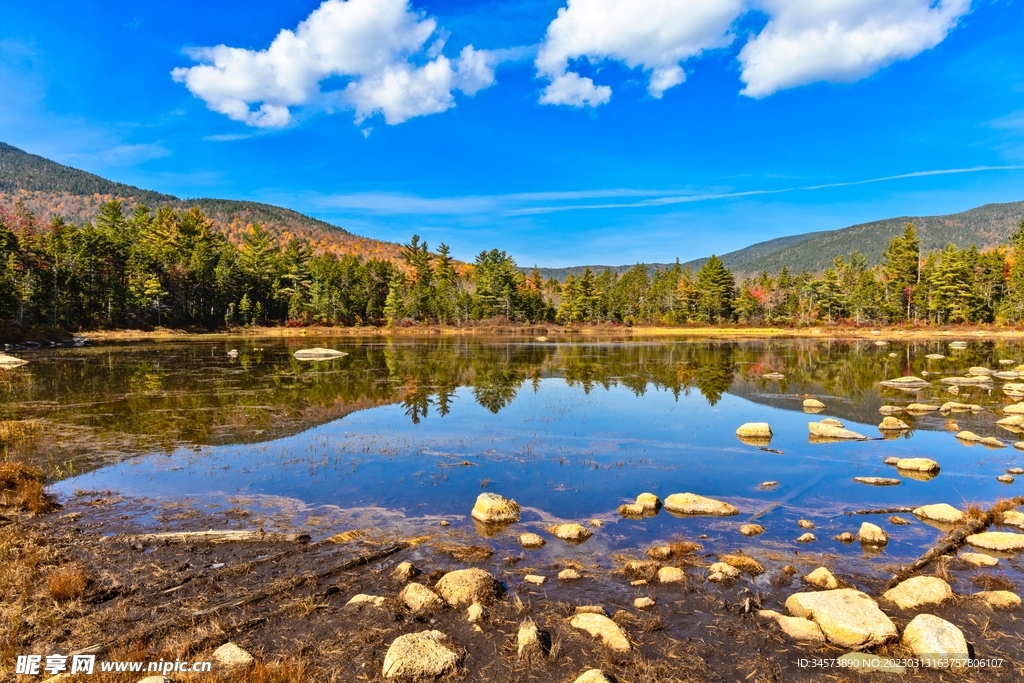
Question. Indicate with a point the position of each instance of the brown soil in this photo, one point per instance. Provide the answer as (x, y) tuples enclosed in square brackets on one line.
[(67, 588)]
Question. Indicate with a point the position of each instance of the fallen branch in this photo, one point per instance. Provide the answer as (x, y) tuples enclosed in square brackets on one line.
[(211, 536), (955, 539), (770, 450), (880, 511)]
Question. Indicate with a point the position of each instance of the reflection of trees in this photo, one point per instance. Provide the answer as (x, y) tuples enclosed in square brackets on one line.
[(495, 390)]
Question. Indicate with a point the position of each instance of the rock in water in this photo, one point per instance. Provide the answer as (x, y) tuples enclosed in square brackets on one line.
[(822, 578), (828, 431), (978, 559), (869, 534), (917, 465), (937, 641), (751, 529), (692, 504), (999, 599), (813, 405), (405, 572), (832, 422), (1013, 518), (531, 541), (602, 628), (892, 424), (807, 538), (940, 512), (908, 382), (720, 572), (491, 508), (318, 354), (10, 362), (921, 408), (970, 437), (418, 597), (568, 575), (755, 430), (650, 502), (934, 356), (230, 656), (1004, 479), (671, 575), (805, 524), (463, 587), (427, 654), (846, 616), (1004, 541), (643, 603), (797, 628), (575, 533), (919, 591), (877, 481)]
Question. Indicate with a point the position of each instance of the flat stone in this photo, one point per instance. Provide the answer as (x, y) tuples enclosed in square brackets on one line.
[(769, 484), (363, 599), (978, 559), (751, 529), (318, 354), (936, 640), (877, 481), (720, 572), (491, 508), (805, 524), (643, 603), (917, 465), (827, 431), (872, 535), (535, 579), (813, 404), (231, 656), (1015, 470), (1004, 541), (992, 442), (590, 609), (892, 424), (1013, 518), (940, 512), (807, 538), (934, 356), (602, 628), (822, 578), (919, 591), (576, 533), (427, 654), (671, 575), (592, 676), (638, 583), (847, 617), (968, 436), (978, 370), (692, 504), (1015, 409), (999, 599), (463, 587), (569, 575), (967, 381), (892, 410), (631, 510), (898, 521), (905, 382), (1005, 479), (773, 375), (891, 460), (956, 407), (531, 540), (418, 597), (1011, 421), (755, 430), (921, 408)]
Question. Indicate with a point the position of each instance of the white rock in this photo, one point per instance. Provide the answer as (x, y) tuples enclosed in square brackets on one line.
[(535, 579), (756, 430), (1013, 518), (692, 504), (872, 535), (363, 599), (917, 465), (807, 538), (720, 572), (427, 654), (531, 540), (475, 613), (671, 575), (919, 591), (568, 575), (978, 559), (1004, 541), (940, 512), (230, 656), (491, 508), (643, 603), (846, 616), (10, 362), (602, 628), (528, 639), (828, 431), (936, 640), (318, 354)]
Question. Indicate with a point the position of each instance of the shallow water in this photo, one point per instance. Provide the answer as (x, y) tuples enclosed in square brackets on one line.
[(569, 430)]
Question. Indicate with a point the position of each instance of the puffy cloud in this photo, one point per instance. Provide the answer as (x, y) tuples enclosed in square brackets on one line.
[(371, 42), (841, 40), (655, 35)]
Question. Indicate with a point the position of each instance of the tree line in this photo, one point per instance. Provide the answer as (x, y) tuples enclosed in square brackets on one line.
[(173, 268)]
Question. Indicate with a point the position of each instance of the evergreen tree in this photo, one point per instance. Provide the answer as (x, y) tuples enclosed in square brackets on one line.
[(902, 270), (715, 294), (1013, 304)]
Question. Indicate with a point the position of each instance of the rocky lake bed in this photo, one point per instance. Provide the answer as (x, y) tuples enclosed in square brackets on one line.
[(506, 511)]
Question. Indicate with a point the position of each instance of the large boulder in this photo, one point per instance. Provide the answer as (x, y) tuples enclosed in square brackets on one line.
[(427, 654), (919, 591), (463, 587), (847, 617), (604, 629), (936, 641), (1004, 541), (940, 512), (978, 559), (692, 504), (491, 508)]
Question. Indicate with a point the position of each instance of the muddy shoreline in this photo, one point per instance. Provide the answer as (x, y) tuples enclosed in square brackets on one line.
[(141, 601)]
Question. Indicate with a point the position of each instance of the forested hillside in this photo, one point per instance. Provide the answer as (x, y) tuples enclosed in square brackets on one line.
[(47, 190)]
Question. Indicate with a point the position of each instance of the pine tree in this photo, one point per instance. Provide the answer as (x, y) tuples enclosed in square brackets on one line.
[(1013, 304), (715, 294), (902, 270)]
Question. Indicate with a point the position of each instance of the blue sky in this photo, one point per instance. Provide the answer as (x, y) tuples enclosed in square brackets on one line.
[(612, 131)]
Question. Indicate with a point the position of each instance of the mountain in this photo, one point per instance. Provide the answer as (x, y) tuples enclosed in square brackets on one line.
[(49, 189)]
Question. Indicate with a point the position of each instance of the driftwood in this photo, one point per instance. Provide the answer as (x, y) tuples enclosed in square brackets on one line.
[(291, 583), (770, 450), (955, 539), (211, 536), (880, 511)]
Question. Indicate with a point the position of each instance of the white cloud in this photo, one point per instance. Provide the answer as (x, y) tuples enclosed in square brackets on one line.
[(378, 44), (841, 40), (655, 35)]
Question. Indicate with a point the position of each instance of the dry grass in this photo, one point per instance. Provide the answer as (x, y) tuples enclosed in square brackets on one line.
[(466, 553), (12, 431), (743, 562), (25, 486), (1002, 506), (993, 583), (67, 583)]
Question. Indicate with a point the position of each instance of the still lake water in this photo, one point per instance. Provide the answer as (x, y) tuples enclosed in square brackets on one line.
[(569, 430)]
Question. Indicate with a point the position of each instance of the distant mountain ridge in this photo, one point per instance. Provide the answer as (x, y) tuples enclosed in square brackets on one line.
[(49, 189)]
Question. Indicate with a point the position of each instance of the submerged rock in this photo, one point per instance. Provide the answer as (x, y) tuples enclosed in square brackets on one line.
[(898, 521), (940, 512), (427, 654), (576, 533), (822, 578), (999, 599), (463, 587), (602, 628), (491, 508), (891, 460), (846, 616), (1004, 541), (869, 534), (936, 640), (919, 591), (692, 504), (832, 432)]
